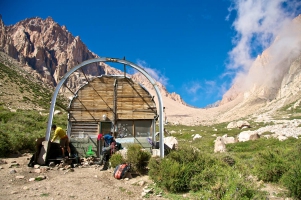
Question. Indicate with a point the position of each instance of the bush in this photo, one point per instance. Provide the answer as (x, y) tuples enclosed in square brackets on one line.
[(187, 170), (116, 159), (270, 165), (137, 157), (292, 180), (4, 144)]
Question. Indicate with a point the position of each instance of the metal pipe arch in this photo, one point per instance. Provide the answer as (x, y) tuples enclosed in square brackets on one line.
[(105, 59)]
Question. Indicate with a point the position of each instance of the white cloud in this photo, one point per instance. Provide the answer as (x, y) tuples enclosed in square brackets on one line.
[(154, 73), (257, 24), (207, 87), (193, 87)]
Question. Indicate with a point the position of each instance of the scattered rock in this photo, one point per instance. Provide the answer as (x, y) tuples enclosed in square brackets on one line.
[(25, 188), (2, 162), (52, 164), (197, 136), (13, 171), (36, 166)]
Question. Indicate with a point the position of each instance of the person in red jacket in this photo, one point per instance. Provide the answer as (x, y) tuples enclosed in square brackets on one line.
[(64, 141)]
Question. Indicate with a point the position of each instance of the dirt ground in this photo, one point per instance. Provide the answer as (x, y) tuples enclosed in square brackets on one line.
[(82, 183), (79, 183)]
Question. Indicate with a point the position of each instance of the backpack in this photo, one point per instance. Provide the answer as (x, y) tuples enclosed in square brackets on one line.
[(120, 171)]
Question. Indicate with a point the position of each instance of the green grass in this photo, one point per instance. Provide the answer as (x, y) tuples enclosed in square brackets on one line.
[(30, 89), (20, 129), (268, 159)]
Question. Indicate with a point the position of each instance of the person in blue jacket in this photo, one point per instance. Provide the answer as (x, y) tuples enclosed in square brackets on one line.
[(106, 150)]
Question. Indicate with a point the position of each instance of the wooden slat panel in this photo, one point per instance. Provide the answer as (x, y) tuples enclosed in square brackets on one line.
[(98, 98)]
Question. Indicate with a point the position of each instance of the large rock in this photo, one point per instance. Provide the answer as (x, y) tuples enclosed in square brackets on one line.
[(239, 124), (228, 140), (219, 145), (248, 135), (171, 142)]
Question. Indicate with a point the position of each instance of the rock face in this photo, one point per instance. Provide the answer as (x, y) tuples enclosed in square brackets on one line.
[(47, 50)]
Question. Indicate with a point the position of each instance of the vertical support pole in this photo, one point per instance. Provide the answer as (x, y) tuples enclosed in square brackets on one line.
[(124, 68)]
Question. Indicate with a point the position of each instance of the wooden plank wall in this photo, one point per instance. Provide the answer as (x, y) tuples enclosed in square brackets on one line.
[(97, 99)]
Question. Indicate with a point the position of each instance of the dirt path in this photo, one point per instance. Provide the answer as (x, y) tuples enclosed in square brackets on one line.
[(82, 183)]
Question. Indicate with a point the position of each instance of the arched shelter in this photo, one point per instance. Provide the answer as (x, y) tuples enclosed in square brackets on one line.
[(117, 102), (111, 103)]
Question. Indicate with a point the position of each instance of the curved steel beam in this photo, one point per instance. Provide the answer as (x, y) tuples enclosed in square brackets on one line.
[(105, 59)]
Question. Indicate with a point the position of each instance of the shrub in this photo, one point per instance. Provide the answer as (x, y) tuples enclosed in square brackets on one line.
[(4, 144), (229, 160), (116, 159), (154, 166), (137, 157), (270, 165), (292, 179), (187, 170)]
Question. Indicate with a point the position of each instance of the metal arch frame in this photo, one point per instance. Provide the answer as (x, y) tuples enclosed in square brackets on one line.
[(105, 59)]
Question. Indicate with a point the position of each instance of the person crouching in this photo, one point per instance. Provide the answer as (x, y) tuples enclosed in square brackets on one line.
[(64, 141)]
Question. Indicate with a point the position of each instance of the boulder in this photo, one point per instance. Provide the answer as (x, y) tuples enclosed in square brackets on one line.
[(171, 142), (231, 125), (228, 140), (242, 124), (219, 145), (248, 135), (239, 124)]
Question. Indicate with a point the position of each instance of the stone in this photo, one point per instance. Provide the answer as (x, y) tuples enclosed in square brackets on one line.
[(52, 164), (141, 183), (219, 145), (41, 177), (25, 188), (36, 166), (13, 171), (197, 136)]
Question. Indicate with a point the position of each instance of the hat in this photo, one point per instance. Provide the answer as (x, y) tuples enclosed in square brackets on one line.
[(99, 137)]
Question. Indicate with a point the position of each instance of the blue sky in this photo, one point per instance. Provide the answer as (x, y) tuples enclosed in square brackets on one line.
[(195, 48)]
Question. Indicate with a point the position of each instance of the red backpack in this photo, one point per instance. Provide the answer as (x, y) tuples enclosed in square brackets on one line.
[(120, 171)]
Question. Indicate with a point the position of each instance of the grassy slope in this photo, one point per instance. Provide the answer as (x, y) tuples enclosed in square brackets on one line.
[(24, 105)]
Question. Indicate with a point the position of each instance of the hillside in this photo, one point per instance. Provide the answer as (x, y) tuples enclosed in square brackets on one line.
[(20, 90)]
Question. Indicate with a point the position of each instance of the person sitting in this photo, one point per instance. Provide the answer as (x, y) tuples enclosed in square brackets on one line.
[(64, 140), (106, 150)]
